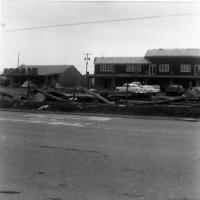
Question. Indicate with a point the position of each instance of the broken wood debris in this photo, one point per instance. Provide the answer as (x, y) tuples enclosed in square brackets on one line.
[(80, 98), (47, 94), (43, 107), (175, 99), (98, 96)]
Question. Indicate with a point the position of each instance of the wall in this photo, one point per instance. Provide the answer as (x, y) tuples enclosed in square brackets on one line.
[(121, 69), (71, 77), (175, 65)]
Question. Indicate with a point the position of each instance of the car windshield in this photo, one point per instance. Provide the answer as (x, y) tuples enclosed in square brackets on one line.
[(130, 85), (136, 83), (133, 85)]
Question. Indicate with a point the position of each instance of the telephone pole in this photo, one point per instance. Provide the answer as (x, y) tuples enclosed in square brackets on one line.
[(18, 60), (87, 58)]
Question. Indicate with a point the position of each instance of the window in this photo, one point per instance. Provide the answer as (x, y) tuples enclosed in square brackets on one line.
[(152, 69), (164, 67), (133, 68), (185, 68), (106, 68)]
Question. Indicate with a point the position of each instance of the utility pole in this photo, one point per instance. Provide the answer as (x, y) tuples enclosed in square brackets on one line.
[(87, 58), (18, 60)]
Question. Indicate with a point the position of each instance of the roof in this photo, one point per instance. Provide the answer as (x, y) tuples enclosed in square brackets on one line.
[(173, 53), (121, 60), (49, 69)]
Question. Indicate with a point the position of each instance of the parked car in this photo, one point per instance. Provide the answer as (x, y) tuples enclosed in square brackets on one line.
[(175, 90), (150, 89), (137, 83), (131, 88), (156, 86), (194, 92)]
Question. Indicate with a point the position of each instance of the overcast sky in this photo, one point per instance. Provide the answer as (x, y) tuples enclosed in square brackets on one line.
[(67, 44)]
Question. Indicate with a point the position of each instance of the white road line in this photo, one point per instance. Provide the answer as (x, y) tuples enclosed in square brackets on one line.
[(75, 117), (43, 122), (63, 120)]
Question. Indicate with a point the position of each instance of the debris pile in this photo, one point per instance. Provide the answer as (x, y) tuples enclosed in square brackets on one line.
[(83, 100)]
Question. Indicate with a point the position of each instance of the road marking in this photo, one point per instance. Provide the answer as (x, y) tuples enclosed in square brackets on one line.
[(43, 122), (63, 120), (73, 117)]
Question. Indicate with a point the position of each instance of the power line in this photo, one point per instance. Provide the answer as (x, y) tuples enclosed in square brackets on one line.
[(100, 22), (138, 1)]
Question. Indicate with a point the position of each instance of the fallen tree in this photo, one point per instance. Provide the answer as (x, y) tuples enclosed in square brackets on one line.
[(98, 96), (47, 94), (166, 101)]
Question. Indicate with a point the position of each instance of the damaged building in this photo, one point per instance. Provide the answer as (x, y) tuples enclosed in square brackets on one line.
[(44, 75), (158, 67)]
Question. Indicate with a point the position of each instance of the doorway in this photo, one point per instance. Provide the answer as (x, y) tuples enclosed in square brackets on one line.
[(197, 70)]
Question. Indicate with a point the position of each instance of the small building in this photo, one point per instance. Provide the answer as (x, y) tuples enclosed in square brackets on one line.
[(44, 75), (159, 67)]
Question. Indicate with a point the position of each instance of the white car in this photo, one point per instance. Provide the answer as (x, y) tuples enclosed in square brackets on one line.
[(150, 89), (137, 83), (131, 88)]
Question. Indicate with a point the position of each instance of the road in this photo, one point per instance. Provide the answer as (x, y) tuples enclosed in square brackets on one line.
[(72, 157)]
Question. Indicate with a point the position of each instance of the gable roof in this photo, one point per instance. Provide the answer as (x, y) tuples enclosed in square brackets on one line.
[(121, 60), (173, 53), (49, 69)]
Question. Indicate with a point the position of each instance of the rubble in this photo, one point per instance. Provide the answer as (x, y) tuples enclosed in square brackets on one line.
[(13, 93), (43, 107), (38, 97), (80, 99), (48, 94)]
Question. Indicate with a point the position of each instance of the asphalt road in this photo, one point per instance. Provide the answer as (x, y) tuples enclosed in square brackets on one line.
[(73, 157)]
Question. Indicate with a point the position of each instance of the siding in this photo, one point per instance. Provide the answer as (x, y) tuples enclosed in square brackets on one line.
[(174, 65), (121, 69)]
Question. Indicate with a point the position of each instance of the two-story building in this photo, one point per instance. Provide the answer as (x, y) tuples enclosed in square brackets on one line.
[(159, 67)]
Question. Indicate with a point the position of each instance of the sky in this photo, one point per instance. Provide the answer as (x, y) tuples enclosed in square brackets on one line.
[(67, 44)]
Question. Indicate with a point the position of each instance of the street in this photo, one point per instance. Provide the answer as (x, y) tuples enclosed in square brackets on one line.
[(68, 157)]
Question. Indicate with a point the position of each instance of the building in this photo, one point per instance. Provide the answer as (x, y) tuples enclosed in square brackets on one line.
[(159, 67), (44, 75)]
